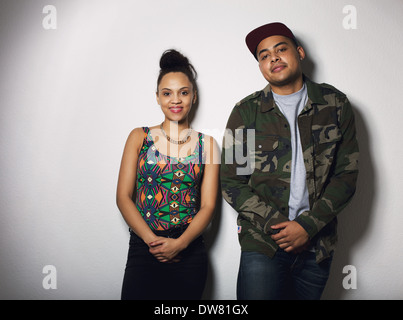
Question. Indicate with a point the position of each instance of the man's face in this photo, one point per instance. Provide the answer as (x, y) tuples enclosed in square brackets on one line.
[(279, 61)]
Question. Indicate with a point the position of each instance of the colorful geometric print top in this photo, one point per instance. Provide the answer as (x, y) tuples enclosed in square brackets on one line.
[(168, 188)]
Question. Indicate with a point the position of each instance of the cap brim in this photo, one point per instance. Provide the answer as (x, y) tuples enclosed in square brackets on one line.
[(272, 29)]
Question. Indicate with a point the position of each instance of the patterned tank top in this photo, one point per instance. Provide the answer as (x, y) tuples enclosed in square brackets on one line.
[(168, 188)]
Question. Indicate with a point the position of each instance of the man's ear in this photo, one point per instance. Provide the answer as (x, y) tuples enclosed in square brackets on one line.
[(301, 53)]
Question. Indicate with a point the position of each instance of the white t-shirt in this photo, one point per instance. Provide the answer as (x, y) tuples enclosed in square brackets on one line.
[(291, 106)]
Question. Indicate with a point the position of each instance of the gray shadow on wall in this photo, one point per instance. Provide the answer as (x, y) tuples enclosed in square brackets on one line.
[(355, 219), (210, 241)]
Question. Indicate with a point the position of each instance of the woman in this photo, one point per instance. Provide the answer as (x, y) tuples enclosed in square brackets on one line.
[(174, 171)]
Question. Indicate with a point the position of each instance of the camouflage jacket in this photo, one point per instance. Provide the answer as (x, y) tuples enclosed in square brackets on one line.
[(256, 166)]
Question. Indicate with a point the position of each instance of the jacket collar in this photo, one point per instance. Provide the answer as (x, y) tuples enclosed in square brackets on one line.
[(314, 96)]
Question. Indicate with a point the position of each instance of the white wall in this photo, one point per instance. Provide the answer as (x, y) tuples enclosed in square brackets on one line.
[(69, 97)]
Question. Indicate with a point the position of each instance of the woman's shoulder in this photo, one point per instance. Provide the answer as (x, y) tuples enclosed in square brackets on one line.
[(136, 137), (138, 132), (211, 148), (206, 138)]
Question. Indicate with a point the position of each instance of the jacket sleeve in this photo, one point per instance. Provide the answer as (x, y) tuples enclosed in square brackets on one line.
[(341, 184), (235, 175)]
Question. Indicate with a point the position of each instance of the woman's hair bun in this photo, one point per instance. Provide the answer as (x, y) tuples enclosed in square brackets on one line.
[(172, 59)]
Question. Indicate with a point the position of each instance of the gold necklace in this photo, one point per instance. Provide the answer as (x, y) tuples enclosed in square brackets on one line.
[(174, 141)]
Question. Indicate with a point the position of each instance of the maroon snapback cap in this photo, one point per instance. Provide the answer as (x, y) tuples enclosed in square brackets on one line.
[(272, 29)]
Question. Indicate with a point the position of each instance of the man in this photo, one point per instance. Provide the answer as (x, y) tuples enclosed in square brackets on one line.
[(295, 178)]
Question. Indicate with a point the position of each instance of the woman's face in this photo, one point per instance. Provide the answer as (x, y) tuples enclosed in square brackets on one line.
[(176, 96)]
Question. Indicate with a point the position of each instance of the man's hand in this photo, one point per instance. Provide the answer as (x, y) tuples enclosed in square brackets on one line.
[(292, 238)]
